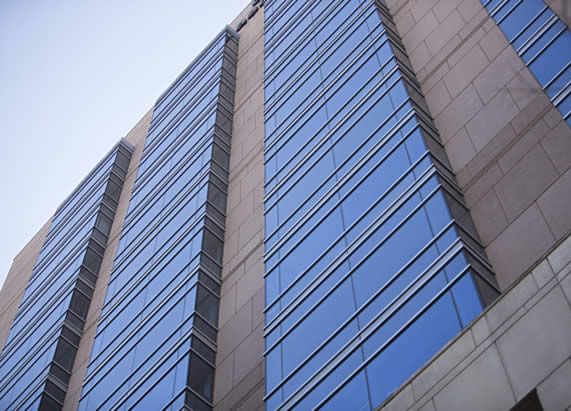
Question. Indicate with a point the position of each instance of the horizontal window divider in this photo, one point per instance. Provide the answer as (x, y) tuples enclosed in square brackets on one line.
[(105, 163), (341, 258), (562, 95), (28, 304), (363, 236), (157, 192), (333, 86), (151, 321), (313, 66), (49, 338), (121, 400), (395, 335), (481, 260), (499, 6), (385, 286), (155, 140), (225, 36), (167, 255), (346, 178), (138, 280), (555, 78), (340, 124), (65, 264), (320, 21), (55, 303), (212, 47), (553, 20), (388, 135), (135, 246), (528, 25), (208, 98), (53, 246), (374, 324), (179, 200), (33, 389), (181, 139)]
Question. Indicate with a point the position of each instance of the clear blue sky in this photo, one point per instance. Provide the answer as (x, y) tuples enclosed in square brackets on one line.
[(75, 76)]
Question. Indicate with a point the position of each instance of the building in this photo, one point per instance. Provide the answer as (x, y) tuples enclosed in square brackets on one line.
[(349, 204)]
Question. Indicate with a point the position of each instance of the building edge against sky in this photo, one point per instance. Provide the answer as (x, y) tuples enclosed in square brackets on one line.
[(496, 79)]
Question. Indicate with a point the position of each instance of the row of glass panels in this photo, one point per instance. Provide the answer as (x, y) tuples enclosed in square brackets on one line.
[(156, 338), (372, 261), (37, 360)]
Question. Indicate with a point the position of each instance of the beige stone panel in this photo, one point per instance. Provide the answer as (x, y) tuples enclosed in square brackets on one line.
[(137, 138), (554, 392), (557, 144), (525, 182), (493, 117), (17, 280), (555, 204), (546, 325), (490, 224), (519, 246), (483, 385), (238, 380)]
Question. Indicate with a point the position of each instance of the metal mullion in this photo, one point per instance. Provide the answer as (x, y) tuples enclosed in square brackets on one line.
[(331, 46), (346, 276), (392, 307), (347, 118), (350, 173), (344, 256), (198, 215), (333, 84), (448, 287), (365, 234), (111, 357), (536, 36)]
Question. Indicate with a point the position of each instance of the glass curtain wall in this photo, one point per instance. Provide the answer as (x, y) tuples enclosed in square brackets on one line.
[(37, 360), (156, 339), (372, 261)]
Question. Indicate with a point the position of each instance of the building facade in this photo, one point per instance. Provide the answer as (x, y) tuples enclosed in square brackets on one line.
[(338, 205)]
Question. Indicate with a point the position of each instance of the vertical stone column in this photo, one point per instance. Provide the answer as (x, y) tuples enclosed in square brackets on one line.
[(240, 368)]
